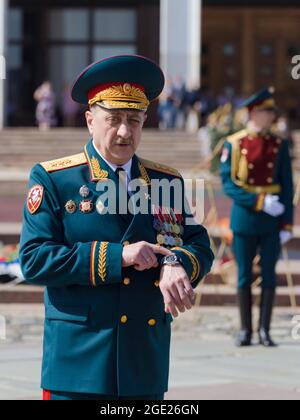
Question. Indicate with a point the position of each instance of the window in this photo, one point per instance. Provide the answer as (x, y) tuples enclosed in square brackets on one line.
[(114, 32), (71, 61), (15, 38), (78, 36), (14, 57), (102, 51), (15, 24), (115, 25), (266, 50), (69, 25), (229, 50)]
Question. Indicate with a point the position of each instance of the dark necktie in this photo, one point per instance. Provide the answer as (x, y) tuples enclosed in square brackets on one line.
[(122, 177), (123, 191)]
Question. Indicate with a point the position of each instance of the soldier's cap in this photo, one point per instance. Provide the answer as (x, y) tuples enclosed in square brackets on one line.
[(119, 82), (263, 100)]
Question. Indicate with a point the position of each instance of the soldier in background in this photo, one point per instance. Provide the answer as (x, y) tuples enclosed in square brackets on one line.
[(257, 175)]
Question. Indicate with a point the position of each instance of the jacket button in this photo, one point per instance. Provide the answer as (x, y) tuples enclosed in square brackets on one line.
[(124, 319), (151, 322), (251, 166), (156, 283), (126, 243), (269, 180), (275, 150), (126, 281), (270, 165), (251, 181), (244, 152)]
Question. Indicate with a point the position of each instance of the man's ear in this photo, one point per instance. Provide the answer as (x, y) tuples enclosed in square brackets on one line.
[(145, 118), (90, 121)]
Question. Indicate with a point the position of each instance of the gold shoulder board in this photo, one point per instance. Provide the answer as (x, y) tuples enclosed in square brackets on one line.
[(64, 163), (148, 164), (237, 136)]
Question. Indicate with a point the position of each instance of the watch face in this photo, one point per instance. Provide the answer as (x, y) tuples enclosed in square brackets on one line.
[(172, 259)]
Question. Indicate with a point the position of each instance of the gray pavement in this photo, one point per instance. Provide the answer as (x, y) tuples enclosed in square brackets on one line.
[(205, 365)]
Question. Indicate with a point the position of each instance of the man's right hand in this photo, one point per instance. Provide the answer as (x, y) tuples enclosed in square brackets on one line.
[(272, 206), (142, 255)]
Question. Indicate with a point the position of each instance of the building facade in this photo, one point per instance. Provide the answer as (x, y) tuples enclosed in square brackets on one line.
[(53, 40), (246, 48), (239, 48)]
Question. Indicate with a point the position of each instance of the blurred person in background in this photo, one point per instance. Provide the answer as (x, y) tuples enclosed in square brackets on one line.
[(70, 108), (46, 106), (178, 95), (192, 103), (167, 111)]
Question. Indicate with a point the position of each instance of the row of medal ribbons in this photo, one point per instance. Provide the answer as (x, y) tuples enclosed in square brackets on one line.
[(169, 226)]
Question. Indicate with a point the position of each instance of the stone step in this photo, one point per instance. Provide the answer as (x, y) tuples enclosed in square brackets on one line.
[(6, 228), (71, 139), (215, 231), (14, 228), (15, 159), (217, 280), (22, 148), (207, 295), (15, 136)]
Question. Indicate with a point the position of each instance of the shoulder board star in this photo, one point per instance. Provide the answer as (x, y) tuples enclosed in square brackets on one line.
[(237, 136), (64, 163), (148, 164)]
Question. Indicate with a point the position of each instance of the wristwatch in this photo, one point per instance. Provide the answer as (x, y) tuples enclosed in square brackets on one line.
[(171, 260)]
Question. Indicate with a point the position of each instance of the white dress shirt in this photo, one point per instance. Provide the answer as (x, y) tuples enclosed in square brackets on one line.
[(126, 167)]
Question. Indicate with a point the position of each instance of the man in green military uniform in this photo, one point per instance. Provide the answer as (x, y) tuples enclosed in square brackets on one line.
[(257, 175), (113, 278)]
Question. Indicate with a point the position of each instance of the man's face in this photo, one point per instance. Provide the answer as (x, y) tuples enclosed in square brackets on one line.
[(116, 134), (264, 119)]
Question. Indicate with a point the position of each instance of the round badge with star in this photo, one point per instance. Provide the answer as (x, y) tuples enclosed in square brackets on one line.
[(84, 191), (70, 206), (86, 206)]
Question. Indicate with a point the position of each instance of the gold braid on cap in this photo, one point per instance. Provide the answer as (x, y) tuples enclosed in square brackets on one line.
[(122, 96), (268, 103)]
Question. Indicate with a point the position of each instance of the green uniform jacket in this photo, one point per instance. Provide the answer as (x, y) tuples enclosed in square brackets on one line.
[(251, 167), (106, 331)]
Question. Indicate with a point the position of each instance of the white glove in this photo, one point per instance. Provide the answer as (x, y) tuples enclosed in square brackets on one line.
[(285, 236), (272, 206)]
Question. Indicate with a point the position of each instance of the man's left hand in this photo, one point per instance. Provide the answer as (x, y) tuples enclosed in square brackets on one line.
[(176, 288)]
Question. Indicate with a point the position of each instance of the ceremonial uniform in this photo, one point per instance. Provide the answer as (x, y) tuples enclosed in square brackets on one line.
[(106, 332), (255, 165)]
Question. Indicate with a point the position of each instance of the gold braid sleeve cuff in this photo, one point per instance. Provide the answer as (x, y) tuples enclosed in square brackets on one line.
[(193, 263)]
